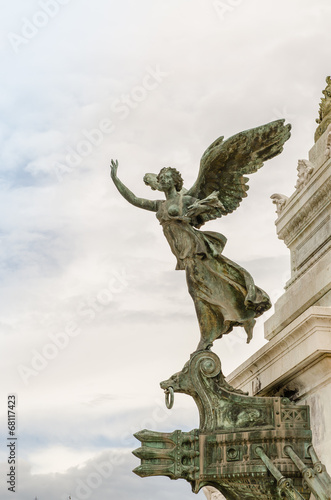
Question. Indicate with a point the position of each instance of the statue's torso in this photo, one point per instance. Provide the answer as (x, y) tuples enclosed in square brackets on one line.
[(185, 241)]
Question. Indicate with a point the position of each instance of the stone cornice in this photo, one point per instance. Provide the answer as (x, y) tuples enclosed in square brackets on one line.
[(308, 336), (312, 261), (304, 215)]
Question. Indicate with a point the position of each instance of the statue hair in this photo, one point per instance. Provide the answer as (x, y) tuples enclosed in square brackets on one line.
[(178, 179)]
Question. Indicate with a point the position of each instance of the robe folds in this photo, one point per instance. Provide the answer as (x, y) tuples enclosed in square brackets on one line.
[(226, 290)]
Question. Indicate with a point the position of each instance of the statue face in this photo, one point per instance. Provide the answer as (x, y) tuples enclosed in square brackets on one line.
[(166, 180)]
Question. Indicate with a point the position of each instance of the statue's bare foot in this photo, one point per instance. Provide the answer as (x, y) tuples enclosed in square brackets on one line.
[(249, 326)]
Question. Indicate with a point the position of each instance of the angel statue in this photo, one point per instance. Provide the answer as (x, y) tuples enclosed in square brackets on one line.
[(224, 294)]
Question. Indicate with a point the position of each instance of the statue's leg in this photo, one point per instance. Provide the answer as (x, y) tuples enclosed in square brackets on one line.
[(210, 324), (200, 281)]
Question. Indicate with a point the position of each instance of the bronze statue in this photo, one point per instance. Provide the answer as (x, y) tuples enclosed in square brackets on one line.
[(224, 293)]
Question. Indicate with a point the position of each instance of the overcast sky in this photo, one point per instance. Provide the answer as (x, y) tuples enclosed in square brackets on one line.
[(94, 315)]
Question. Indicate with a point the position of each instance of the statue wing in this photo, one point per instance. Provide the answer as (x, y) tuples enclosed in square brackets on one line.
[(224, 164)]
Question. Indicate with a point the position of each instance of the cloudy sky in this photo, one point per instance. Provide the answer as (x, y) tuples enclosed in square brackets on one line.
[(93, 314)]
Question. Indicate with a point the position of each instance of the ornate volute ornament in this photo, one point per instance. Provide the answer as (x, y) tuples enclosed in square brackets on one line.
[(324, 118), (224, 293)]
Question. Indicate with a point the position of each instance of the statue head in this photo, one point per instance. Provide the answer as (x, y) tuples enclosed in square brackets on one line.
[(175, 175), (151, 181)]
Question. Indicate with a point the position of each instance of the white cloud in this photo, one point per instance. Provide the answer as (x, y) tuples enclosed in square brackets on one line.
[(64, 236)]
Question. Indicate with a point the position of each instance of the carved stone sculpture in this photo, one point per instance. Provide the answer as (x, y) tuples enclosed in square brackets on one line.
[(224, 293), (328, 143), (324, 118), (212, 493), (305, 171), (280, 201)]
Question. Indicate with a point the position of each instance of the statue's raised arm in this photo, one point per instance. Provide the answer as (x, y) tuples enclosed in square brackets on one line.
[(151, 205)]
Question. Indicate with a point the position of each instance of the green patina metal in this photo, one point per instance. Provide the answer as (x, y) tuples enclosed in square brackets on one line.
[(175, 455), (240, 443), (246, 447), (224, 294)]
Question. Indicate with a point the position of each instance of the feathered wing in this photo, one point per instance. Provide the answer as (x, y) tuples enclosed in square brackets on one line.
[(224, 164)]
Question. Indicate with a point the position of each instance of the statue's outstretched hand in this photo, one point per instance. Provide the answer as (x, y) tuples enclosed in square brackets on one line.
[(113, 169)]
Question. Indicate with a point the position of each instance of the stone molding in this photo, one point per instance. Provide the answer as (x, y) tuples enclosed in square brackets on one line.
[(302, 343), (320, 252), (307, 213), (327, 151), (309, 290)]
